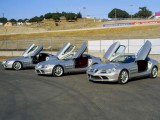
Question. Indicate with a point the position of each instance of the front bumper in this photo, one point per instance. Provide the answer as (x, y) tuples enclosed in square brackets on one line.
[(8, 65), (113, 77), (44, 71)]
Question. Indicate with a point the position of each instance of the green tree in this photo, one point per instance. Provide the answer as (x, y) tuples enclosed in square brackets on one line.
[(71, 16), (20, 20), (48, 15), (3, 20), (41, 18), (143, 13), (79, 15), (56, 17), (35, 19), (118, 13), (13, 20), (26, 19)]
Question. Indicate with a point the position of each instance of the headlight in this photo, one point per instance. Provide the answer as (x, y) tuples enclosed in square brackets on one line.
[(108, 71), (3, 62), (9, 62), (93, 70), (46, 66)]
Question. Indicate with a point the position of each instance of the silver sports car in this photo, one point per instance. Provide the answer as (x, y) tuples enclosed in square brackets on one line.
[(124, 67), (32, 56), (78, 62), (29, 59)]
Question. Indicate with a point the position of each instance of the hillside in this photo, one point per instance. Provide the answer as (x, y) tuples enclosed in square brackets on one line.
[(48, 29)]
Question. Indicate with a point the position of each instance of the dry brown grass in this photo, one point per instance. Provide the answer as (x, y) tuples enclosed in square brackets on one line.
[(5, 57), (150, 31)]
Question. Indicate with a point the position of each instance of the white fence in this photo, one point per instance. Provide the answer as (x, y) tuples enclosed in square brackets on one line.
[(132, 45)]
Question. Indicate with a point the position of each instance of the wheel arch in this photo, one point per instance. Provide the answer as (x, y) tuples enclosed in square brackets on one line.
[(126, 70), (19, 62), (155, 66), (60, 66)]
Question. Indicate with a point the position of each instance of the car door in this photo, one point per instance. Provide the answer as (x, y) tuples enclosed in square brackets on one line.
[(114, 51), (65, 51), (144, 51), (36, 51), (141, 58), (25, 53), (77, 57), (33, 50), (81, 50)]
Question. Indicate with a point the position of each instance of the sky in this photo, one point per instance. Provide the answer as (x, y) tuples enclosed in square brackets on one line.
[(21, 9)]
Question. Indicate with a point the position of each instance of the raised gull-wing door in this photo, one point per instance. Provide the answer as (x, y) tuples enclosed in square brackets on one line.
[(114, 51), (144, 51), (81, 50), (25, 53), (65, 51), (33, 51), (36, 50)]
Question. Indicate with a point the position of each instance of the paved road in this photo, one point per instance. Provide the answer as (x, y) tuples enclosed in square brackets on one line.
[(26, 96)]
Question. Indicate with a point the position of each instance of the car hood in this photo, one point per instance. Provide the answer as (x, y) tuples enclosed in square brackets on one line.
[(15, 59), (107, 65)]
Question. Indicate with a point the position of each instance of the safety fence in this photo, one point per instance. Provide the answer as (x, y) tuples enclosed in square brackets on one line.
[(132, 45), (55, 43)]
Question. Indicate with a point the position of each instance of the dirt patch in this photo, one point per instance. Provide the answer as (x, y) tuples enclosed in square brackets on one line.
[(5, 57)]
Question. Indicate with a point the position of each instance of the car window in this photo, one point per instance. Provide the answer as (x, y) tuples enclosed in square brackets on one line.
[(69, 56), (124, 59), (120, 50), (69, 49), (35, 47)]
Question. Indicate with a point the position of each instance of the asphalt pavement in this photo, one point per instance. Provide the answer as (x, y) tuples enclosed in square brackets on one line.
[(27, 96)]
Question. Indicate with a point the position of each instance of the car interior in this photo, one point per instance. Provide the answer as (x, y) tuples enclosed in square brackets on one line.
[(142, 65), (39, 58), (81, 62)]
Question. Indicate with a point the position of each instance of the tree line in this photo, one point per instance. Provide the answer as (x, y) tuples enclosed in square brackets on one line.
[(69, 16), (118, 13)]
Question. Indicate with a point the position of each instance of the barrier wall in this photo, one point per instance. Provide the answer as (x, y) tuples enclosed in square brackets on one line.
[(132, 23), (132, 45)]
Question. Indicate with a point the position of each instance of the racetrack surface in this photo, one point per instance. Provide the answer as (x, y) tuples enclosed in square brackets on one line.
[(26, 96)]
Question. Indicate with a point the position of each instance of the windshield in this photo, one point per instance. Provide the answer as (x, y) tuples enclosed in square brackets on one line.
[(125, 59)]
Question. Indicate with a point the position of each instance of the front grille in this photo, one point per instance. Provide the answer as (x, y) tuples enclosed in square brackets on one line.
[(38, 71), (42, 72), (94, 77), (104, 77)]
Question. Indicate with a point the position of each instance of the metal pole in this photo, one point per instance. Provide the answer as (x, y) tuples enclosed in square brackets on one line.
[(128, 45), (3, 18), (131, 11), (115, 14)]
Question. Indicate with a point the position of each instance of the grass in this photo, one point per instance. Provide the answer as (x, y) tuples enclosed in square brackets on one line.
[(139, 32)]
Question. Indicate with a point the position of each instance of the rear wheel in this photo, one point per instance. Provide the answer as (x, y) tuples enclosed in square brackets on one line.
[(58, 71), (17, 65), (123, 77), (154, 72)]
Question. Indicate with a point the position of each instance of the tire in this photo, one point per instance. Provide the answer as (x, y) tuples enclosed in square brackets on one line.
[(154, 72), (17, 65), (58, 71), (123, 77)]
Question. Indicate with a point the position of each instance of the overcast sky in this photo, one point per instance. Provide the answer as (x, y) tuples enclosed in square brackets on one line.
[(95, 8)]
